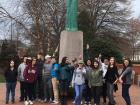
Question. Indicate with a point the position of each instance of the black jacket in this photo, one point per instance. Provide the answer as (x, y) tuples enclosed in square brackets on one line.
[(112, 74), (39, 65), (11, 75)]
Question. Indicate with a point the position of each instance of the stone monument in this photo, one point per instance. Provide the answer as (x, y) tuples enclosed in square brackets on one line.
[(71, 40)]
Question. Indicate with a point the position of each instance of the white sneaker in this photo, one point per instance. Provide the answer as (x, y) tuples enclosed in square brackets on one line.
[(85, 103), (30, 102), (45, 100), (26, 103), (73, 102), (39, 100), (50, 100), (55, 102), (89, 103)]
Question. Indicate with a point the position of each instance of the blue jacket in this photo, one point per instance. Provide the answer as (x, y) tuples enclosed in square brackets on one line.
[(54, 70)]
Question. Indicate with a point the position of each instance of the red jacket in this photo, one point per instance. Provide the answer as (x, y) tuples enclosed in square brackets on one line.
[(30, 74)]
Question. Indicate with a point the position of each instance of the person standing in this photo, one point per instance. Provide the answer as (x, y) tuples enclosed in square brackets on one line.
[(78, 82), (111, 78), (54, 71), (126, 80), (11, 80), (104, 67), (95, 82), (48, 92), (74, 65), (21, 79), (64, 77), (39, 82), (30, 75), (87, 89)]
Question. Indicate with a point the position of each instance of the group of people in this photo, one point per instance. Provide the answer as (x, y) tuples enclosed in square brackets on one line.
[(44, 80)]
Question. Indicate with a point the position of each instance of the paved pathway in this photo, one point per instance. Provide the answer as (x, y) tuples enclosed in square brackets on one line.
[(134, 92)]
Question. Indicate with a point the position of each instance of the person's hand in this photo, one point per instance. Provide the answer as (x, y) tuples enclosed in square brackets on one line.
[(33, 71), (57, 82), (72, 84), (120, 80), (80, 57), (116, 81), (103, 80), (84, 70), (100, 55)]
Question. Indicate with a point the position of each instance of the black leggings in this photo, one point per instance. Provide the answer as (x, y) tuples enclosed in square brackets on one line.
[(125, 93), (96, 92), (87, 93), (30, 89)]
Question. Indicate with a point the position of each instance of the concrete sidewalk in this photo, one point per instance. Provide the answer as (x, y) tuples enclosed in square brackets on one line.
[(134, 92)]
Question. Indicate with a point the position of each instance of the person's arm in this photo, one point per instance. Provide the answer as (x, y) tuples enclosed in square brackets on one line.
[(106, 75), (116, 72), (73, 78), (19, 72), (128, 70), (116, 75), (84, 70), (100, 61), (89, 78), (25, 72), (56, 67), (5, 73), (58, 73)]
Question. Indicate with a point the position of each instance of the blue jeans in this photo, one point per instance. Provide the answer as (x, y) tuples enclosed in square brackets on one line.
[(79, 92), (48, 89), (10, 88), (125, 93)]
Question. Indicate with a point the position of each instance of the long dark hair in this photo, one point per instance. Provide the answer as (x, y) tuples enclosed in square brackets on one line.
[(87, 61), (9, 64), (115, 64), (63, 62), (97, 63), (129, 65)]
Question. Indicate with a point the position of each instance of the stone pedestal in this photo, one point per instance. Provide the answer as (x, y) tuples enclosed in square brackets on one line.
[(71, 45)]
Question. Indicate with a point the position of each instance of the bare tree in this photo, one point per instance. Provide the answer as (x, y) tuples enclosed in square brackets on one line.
[(48, 15), (106, 15), (41, 21)]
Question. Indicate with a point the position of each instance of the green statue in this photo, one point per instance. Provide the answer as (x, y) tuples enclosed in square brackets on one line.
[(71, 15)]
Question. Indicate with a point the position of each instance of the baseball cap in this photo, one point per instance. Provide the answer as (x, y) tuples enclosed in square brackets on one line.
[(47, 56)]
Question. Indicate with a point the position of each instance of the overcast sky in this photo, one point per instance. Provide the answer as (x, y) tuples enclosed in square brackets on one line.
[(135, 6)]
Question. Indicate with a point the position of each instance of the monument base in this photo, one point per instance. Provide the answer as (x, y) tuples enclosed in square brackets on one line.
[(71, 45)]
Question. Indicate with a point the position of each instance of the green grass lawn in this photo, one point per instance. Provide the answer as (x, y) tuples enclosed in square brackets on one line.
[(2, 79)]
